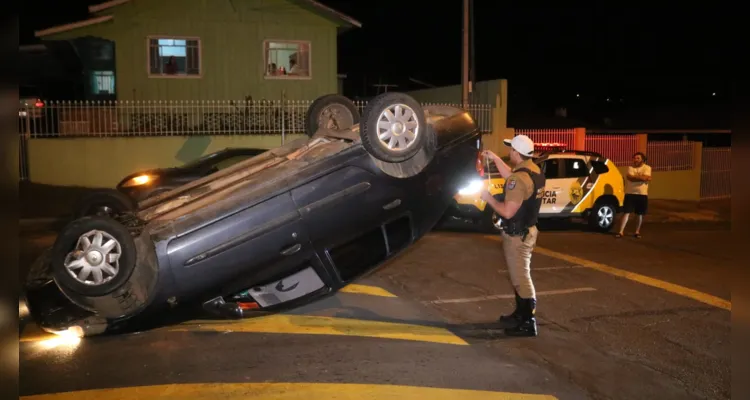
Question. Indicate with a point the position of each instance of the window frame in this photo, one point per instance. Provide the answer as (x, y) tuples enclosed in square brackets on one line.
[(600, 167), (569, 160), (92, 77), (264, 67), (560, 171), (149, 38)]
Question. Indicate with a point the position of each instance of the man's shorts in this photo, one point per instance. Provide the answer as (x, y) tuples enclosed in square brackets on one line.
[(637, 203)]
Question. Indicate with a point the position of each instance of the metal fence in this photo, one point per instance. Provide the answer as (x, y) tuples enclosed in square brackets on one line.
[(618, 148), (716, 173), (565, 136), (183, 118), (670, 155), (23, 160)]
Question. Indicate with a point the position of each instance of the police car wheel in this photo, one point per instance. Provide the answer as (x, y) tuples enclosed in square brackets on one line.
[(602, 217)]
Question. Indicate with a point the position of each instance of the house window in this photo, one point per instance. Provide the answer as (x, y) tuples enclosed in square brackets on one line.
[(174, 57), (103, 82), (287, 59)]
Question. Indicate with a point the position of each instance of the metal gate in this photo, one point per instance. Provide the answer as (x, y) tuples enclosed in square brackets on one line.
[(23, 157), (716, 172)]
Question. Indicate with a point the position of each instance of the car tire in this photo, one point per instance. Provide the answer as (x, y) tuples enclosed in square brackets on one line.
[(602, 216), (84, 243), (104, 203), (410, 113), (345, 114)]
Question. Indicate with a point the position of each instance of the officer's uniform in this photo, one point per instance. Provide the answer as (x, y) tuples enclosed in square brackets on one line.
[(526, 185)]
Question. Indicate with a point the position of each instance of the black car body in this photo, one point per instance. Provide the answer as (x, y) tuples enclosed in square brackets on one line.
[(282, 228), (141, 185)]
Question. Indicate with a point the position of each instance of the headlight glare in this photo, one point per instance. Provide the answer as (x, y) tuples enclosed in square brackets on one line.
[(472, 188), (138, 181)]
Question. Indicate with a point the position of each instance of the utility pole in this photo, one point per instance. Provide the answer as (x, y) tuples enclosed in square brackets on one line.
[(472, 55), (465, 58)]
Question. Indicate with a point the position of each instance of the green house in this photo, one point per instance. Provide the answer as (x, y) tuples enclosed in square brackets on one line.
[(207, 49)]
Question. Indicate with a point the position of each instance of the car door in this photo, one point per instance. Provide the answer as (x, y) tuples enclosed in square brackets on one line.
[(344, 203), (257, 245), (575, 175), (552, 169), (343, 211)]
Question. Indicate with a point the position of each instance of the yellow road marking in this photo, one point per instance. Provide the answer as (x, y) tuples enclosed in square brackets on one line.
[(320, 325), (646, 280), (284, 391), (366, 289)]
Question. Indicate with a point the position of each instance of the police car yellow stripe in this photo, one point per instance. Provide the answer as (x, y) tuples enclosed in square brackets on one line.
[(284, 391)]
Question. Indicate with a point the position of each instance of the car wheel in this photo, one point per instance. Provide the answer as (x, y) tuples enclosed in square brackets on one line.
[(93, 256), (333, 112), (394, 127), (602, 216), (107, 203)]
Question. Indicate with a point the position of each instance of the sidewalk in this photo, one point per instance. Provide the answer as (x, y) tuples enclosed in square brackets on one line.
[(688, 211)]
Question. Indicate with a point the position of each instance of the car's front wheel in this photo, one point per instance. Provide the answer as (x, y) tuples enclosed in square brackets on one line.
[(93, 256), (602, 216)]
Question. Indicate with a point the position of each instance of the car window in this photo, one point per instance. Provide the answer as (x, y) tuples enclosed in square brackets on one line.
[(228, 162), (599, 167), (575, 168), (551, 168)]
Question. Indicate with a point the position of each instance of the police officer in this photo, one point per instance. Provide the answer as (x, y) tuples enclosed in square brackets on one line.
[(519, 210)]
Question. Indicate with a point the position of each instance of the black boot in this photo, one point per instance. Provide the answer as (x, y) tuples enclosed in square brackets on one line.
[(527, 323), (509, 321)]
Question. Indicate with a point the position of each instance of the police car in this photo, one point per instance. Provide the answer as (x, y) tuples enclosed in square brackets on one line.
[(580, 184)]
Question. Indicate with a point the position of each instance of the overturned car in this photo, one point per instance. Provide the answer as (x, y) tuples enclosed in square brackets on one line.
[(277, 230)]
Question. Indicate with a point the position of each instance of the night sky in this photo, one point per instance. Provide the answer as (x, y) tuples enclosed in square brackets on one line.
[(653, 57)]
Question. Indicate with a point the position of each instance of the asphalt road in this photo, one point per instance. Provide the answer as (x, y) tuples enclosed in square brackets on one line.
[(624, 319)]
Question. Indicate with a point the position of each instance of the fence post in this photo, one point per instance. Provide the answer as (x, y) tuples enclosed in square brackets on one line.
[(579, 139), (698, 167)]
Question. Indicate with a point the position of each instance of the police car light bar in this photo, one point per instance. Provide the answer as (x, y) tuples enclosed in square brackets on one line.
[(550, 145)]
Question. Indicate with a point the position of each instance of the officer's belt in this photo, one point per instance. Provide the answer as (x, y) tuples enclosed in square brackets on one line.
[(521, 232)]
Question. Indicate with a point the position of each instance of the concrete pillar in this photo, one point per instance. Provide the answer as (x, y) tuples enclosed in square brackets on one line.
[(642, 142), (579, 139)]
